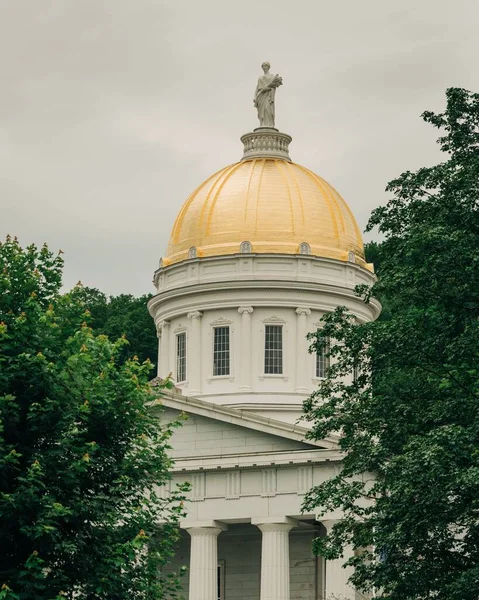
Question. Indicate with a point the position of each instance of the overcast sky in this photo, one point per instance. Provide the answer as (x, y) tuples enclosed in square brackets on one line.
[(113, 111)]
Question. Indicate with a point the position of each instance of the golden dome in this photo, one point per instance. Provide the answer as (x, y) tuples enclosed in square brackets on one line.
[(279, 207)]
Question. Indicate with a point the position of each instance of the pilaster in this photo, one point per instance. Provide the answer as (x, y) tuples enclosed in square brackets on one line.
[(245, 349), (164, 368), (194, 353)]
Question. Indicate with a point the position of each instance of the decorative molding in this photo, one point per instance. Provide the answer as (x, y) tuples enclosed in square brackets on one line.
[(245, 309), (274, 319), (233, 485), (266, 142), (195, 314), (221, 321), (305, 479), (198, 487), (179, 328), (269, 482), (303, 311), (264, 376)]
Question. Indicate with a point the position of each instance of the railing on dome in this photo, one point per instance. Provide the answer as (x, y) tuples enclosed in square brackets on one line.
[(266, 142)]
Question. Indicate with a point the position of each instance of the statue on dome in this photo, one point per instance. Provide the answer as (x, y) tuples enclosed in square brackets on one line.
[(264, 96)]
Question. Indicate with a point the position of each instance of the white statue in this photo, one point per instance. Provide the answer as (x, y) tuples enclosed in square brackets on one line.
[(264, 96)]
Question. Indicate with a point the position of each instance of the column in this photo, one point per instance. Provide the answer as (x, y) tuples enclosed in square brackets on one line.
[(336, 584), (164, 358), (275, 573), (158, 335), (246, 349), (194, 354), (302, 355), (204, 562)]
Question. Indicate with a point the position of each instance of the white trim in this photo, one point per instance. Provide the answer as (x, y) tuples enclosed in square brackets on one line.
[(255, 461)]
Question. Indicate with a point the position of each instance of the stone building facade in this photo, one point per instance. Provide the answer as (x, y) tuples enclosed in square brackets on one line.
[(258, 253)]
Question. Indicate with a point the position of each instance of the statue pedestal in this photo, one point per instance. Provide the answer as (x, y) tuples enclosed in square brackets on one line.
[(270, 129), (266, 142)]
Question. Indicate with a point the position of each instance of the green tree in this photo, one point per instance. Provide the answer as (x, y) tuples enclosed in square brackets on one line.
[(122, 315), (411, 415), (81, 454)]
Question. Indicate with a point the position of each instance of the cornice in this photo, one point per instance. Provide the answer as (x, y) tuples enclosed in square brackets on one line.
[(255, 461)]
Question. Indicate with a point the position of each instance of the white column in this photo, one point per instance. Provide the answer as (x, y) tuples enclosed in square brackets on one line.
[(275, 559), (336, 584), (164, 358), (194, 354), (302, 355), (246, 350), (204, 563), (158, 335)]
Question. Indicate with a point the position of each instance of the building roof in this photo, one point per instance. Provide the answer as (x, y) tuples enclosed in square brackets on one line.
[(273, 204)]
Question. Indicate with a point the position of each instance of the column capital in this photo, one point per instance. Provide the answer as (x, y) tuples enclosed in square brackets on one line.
[(195, 314), (268, 527), (204, 531), (245, 309), (163, 325), (301, 310)]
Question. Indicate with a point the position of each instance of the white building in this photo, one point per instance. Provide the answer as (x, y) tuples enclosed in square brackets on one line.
[(258, 253)]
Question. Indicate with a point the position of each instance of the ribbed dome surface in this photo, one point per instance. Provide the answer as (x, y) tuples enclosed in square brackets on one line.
[(271, 203)]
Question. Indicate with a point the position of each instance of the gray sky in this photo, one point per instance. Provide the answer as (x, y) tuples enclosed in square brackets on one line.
[(113, 111)]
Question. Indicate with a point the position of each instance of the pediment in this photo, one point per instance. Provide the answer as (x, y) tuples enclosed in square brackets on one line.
[(206, 436), (215, 430)]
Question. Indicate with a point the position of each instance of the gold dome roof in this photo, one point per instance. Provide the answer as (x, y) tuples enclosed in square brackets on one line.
[(279, 207)]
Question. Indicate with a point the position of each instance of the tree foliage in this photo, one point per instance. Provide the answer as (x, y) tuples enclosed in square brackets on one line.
[(123, 315), (411, 416), (81, 455)]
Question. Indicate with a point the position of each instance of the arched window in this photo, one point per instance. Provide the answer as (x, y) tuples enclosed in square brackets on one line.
[(351, 257), (304, 248), (245, 248), (192, 252)]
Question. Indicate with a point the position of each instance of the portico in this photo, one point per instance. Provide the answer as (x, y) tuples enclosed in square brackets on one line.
[(245, 536), (264, 561)]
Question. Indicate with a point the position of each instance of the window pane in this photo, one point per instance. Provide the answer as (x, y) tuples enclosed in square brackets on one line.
[(221, 351), (322, 361), (181, 357), (273, 349)]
